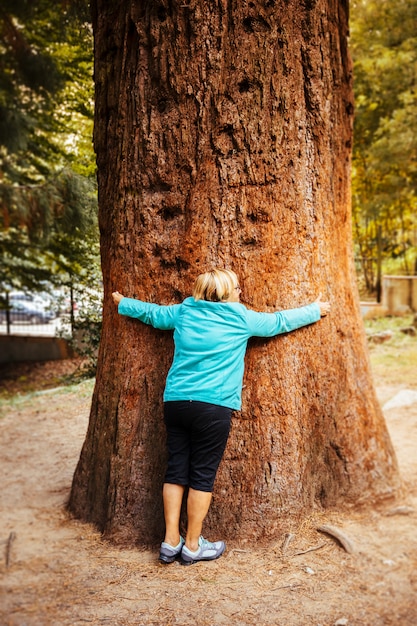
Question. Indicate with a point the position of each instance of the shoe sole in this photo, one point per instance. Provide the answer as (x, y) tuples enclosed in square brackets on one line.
[(166, 560), (210, 558)]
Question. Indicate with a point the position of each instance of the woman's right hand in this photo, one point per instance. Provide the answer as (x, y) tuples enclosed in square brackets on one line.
[(117, 297), (324, 306)]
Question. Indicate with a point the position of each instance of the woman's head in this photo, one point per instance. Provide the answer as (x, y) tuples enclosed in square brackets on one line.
[(217, 286)]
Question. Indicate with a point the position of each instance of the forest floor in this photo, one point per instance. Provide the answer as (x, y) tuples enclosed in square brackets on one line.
[(57, 571)]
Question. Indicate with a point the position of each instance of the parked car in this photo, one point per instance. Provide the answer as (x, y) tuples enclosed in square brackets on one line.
[(21, 311), (42, 301)]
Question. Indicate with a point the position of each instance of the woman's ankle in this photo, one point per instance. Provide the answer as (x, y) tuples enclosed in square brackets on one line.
[(172, 540)]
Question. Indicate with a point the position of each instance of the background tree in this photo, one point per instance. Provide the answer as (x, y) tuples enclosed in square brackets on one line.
[(47, 186), (384, 48), (223, 136)]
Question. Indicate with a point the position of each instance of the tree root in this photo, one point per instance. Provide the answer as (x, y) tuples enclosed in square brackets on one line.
[(342, 538)]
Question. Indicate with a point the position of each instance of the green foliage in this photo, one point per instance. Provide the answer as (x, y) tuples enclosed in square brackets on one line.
[(86, 329), (48, 205), (46, 91), (384, 184)]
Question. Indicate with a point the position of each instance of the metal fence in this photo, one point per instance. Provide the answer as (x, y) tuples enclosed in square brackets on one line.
[(35, 315)]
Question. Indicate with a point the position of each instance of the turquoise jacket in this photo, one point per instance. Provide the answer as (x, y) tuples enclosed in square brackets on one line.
[(210, 343)]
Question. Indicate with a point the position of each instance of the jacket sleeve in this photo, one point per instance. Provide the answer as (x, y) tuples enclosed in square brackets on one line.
[(270, 324), (162, 317)]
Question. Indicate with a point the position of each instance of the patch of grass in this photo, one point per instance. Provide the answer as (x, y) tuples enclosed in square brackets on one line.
[(29, 377), (394, 362), (393, 323), (83, 389)]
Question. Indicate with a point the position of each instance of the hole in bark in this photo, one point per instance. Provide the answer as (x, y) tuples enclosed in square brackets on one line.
[(281, 42), (228, 129), (160, 185), (244, 85), (310, 4), (349, 108), (179, 263), (248, 24), (250, 241), (169, 212), (177, 295), (161, 13), (259, 215), (252, 24), (157, 250), (162, 105)]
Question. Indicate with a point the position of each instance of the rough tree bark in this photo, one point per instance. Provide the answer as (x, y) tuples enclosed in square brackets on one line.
[(223, 137)]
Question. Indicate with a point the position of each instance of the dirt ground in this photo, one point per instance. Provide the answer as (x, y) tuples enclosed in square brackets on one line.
[(57, 571)]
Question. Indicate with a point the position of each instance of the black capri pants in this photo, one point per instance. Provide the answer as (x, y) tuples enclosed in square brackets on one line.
[(197, 434)]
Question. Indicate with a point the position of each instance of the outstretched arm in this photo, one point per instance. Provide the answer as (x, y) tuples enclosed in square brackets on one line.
[(271, 324), (162, 317)]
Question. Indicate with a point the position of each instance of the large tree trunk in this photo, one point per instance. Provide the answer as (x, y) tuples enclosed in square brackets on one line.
[(223, 137)]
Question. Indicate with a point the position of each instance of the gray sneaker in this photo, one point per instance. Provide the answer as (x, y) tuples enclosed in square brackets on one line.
[(207, 551), (169, 553)]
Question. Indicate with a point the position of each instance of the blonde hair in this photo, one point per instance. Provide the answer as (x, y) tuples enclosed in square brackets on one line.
[(215, 286)]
